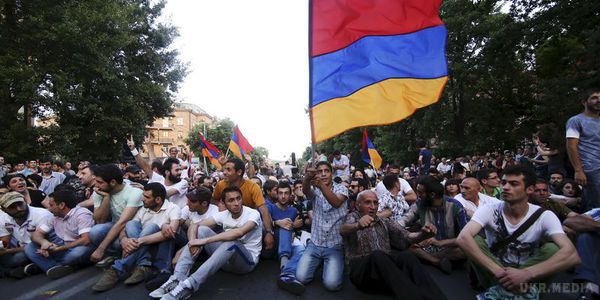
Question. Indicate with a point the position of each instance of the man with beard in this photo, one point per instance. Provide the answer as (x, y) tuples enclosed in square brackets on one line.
[(374, 268), (449, 218), (87, 179), (16, 182), (235, 250), (583, 147), (169, 177), (50, 178), (17, 221), (142, 231), (556, 178), (115, 204)]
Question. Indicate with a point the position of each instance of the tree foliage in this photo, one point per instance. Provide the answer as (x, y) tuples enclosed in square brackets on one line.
[(512, 66), (103, 69)]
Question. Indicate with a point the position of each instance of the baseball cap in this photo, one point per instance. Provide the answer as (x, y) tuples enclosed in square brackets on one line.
[(9, 198)]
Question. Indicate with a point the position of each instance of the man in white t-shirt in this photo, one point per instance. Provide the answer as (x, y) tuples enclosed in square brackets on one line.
[(235, 250), (470, 197), (406, 190), (340, 164), (525, 260), (143, 230), (17, 221), (170, 176)]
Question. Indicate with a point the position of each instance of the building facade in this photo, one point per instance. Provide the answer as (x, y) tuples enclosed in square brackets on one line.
[(169, 132)]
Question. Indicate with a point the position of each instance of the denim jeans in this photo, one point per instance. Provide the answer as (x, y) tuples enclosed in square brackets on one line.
[(166, 249), (99, 232), (290, 268), (588, 244), (230, 256), (333, 265), (76, 256), (591, 191), (284, 239), (15, 259), (139, 257)]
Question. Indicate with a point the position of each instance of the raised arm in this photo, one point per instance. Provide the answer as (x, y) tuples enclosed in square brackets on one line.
[(139, 160)]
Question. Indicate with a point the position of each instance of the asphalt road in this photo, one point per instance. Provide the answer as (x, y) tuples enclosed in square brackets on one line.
[(260, 284)]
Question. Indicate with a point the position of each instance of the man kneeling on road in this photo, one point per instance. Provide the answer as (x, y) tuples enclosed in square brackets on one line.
[(514, 254), (143, 230), (235, 250), (373, 265)]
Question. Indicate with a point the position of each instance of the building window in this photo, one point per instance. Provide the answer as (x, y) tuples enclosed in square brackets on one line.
[(165, 134), (179, 121), (179, 135), (165, 123)]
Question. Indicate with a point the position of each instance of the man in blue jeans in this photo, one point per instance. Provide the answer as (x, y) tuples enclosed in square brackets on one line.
[(325, 246), (143, 230), (235, 250), (63, 243)]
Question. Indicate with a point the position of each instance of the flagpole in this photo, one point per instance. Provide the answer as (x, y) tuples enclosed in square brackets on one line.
[(205, 164)]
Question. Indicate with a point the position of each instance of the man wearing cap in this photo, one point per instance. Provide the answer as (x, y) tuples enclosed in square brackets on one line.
[(17, 221)]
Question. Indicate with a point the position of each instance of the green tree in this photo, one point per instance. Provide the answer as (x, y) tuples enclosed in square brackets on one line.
[(218, 134), (102, 69)]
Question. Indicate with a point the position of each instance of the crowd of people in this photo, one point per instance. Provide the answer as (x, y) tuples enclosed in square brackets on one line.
[(510, 224)]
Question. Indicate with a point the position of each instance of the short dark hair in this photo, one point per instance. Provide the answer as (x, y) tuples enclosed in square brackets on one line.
[(541, 181), (390, 180), (230, 189), (109, 172), (37, 178), (485, 174), (59, 164), (528, 173), (557, 171), (64, 195), (431, 185), (46, 159), (158, 190), (10, 176), (364, 182), (321, 163), (336, 152), (284, 185), (156, 164), (238, 164), (168, 165), (200, 194), (298, 181), (589, 92), (269, 185)]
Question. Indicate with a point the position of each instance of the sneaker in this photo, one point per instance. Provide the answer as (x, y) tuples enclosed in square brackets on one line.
[(140, 273), (156, 282), (107, 281), (59, 271), (180, 292), (165, 288), (291, 285), (445, 265), (106, 262), (22, 272)]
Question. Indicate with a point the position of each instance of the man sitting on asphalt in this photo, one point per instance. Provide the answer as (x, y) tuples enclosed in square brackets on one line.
[(144, 230), (374, 268), (115, 204), (507, 262), (62, 244), (17, 221), (235, 250), (470, 197), (449, 218)]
